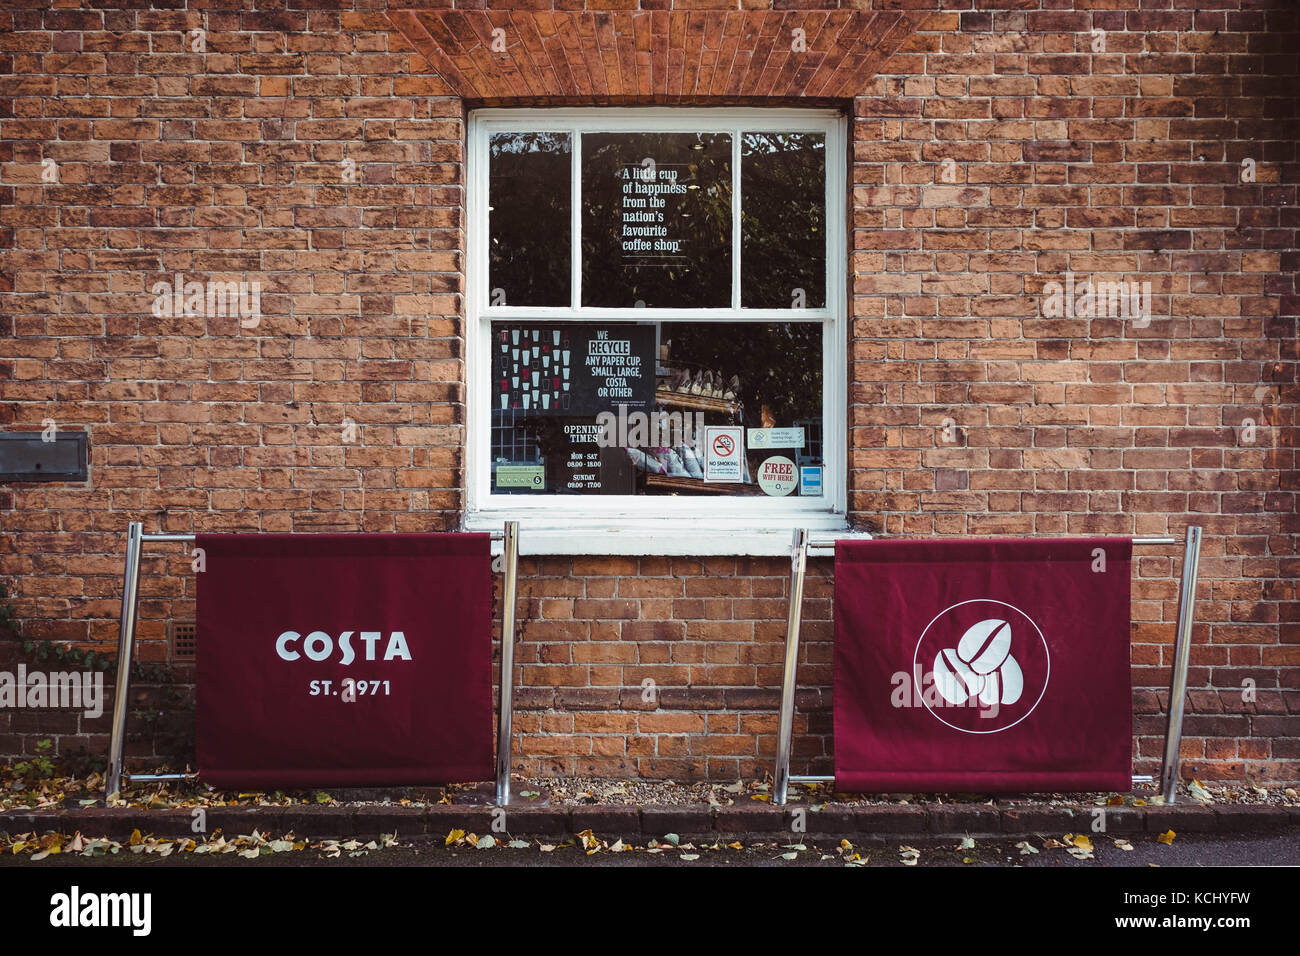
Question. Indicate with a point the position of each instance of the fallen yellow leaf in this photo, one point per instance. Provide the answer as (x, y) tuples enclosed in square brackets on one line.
[(1167, 838)]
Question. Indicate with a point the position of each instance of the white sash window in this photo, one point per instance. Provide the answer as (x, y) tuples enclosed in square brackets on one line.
[(656, 327)]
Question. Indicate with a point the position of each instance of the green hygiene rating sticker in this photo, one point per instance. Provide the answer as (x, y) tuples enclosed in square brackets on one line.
[(521, 476)]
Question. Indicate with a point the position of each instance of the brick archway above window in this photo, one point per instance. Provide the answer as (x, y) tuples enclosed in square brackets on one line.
[(655, 56)]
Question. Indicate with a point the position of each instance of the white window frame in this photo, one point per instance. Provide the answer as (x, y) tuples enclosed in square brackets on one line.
[(654, 524)]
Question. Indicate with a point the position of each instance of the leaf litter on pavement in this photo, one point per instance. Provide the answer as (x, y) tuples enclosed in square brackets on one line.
[(248, 846)]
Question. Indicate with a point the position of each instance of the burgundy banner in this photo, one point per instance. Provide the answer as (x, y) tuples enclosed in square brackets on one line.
[(983, 666), (344, 659)]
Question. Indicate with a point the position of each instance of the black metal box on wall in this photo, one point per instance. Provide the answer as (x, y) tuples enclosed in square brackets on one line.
[(29, 456)]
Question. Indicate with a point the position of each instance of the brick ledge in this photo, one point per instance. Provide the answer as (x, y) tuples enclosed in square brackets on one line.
[(655, 56)]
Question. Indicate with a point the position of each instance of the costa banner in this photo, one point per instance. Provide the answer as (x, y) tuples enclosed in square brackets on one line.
[(988, 666), (343, 659)]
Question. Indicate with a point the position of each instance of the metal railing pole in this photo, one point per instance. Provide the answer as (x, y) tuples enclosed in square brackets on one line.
[(1182, 656), (510, 561), (125, 655), (794, 614)]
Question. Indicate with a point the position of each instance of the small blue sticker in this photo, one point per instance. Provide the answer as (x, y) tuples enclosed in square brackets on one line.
[(810, 480)]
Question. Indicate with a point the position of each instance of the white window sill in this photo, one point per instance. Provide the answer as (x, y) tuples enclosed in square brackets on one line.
[(549, 535)]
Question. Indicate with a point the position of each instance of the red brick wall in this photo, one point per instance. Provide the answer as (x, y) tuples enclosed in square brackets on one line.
[(1122, 163)]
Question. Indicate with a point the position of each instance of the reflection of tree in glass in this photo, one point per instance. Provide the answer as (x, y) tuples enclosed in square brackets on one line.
[(783, 219), (528, 218), (697, 276), (548, 432), (779, 364)]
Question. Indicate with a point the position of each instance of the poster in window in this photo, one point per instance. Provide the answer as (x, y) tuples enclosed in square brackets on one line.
[(656, 227), (574, 369)]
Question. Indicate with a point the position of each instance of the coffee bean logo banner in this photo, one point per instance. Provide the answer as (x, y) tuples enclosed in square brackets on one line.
[(982, 665)]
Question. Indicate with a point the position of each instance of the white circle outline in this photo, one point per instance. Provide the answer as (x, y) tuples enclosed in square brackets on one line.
[(921, 639)]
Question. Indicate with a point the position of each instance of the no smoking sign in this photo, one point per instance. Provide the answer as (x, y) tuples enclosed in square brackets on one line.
[(724, 449)]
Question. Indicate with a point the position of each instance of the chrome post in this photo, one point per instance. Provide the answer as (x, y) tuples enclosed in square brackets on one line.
[(1182, 656), (125, 655), (798, 565), (510, 561)]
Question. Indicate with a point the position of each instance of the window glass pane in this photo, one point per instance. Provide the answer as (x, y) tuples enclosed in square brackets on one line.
[(529, 222), (783, 220), (656, 220), (644, 409)]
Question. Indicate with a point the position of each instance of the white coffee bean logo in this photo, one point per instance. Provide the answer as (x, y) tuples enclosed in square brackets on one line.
[(980, 666)]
